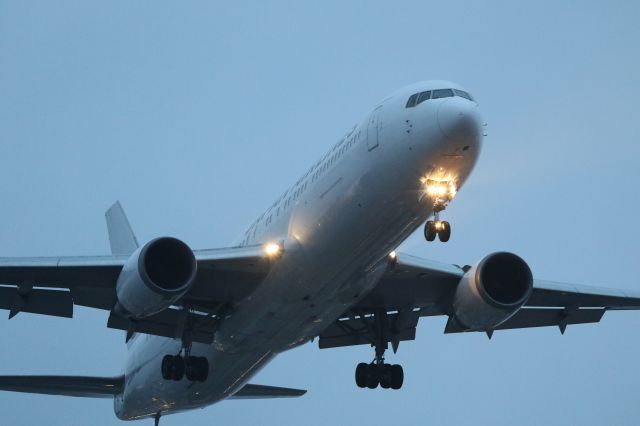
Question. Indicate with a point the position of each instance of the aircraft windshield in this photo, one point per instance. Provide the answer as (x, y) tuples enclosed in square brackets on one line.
[(418, 98)]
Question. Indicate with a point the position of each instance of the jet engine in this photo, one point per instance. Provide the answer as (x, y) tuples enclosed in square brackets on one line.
[(156, 276), (492, 291)]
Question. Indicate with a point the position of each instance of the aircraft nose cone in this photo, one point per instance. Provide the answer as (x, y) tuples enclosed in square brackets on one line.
[(459, 118)]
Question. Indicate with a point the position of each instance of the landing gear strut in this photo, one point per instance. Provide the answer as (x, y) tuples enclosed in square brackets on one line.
[(388, 376), (175, 367)]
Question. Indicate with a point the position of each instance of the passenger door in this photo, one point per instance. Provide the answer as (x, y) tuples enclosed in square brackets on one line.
[(373, 129)]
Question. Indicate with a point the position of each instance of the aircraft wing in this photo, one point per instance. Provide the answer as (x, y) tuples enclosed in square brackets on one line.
[(53, 285), (412, 288)]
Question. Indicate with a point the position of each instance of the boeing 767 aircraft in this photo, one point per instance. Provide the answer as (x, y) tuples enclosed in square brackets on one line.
[(320, 262)]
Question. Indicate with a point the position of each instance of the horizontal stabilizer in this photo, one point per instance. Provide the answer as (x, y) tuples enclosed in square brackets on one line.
[(89, 387), (261, 392)]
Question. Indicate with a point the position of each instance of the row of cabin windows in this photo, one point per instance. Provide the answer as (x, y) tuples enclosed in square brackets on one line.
[(418, 98), (320, 170), (339, 153)]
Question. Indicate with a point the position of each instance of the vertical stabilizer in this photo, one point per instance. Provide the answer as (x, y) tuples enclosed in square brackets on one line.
[(121, 236)]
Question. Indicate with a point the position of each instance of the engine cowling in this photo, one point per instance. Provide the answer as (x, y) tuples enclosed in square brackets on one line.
[(492, 291), (156, 276)]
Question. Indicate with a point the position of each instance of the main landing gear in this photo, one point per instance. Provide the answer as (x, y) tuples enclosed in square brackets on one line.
[(175, 367), (388, 376), (437, 227)]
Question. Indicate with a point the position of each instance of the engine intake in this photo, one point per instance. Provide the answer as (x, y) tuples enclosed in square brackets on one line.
[(155, 276), (492, 291)]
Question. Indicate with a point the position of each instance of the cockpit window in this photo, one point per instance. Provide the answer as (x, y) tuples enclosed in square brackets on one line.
[(418, 98), (442, 93), (424, 96), (463, 94), (412, 100)]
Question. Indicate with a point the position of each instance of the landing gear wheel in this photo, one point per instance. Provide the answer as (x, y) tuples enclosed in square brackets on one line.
[(172, 367), (167, 361), (362, 375), (430, 230), (196, 368), (386, 378), (445, 232), (397, 376), (373, 378)]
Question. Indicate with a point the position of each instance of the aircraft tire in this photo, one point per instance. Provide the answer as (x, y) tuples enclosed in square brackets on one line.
[(373, 378), (362, 375), (386, 376), (177, 368), (445, 233), (166, 367), (429, 231), (397, 376)]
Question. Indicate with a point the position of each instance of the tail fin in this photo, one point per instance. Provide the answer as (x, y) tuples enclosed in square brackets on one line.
[(121, 236), (90, 387)]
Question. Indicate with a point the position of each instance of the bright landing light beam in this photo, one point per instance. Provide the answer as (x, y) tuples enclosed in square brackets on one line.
[(272, 249)]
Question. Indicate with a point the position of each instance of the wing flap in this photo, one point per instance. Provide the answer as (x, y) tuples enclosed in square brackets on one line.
[(366, 329), (534, 317), (261, 391), (89, 387), (169, 323), (57, 303)]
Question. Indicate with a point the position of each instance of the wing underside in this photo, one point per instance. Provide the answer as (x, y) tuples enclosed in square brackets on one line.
[(413, 288)]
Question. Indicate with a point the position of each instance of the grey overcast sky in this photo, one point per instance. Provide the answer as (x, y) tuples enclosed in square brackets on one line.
[(196, 115)]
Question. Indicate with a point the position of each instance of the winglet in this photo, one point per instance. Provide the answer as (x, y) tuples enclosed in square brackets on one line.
[(121, 236)]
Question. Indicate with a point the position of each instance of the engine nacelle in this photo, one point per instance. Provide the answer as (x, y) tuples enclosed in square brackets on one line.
[(492, 291), (156, 276)]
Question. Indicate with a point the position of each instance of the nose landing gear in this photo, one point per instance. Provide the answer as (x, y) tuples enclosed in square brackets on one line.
[(437, 227), (440, 193)]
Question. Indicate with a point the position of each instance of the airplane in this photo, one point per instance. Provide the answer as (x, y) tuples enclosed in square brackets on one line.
[(319, 263)]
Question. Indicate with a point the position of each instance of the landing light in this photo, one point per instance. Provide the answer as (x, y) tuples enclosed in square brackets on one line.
[(393, 258), (441, 189), (272, 249)]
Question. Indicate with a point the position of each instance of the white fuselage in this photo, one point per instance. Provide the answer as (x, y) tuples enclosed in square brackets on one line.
[(338, 223)]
